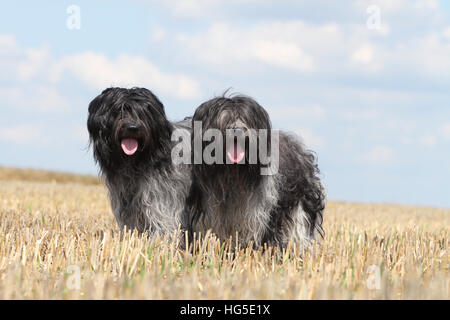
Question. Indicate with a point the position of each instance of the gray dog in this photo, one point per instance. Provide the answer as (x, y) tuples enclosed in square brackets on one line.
[(235, 198)]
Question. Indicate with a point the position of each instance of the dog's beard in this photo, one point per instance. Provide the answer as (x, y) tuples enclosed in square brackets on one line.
[(240, 171), (125, 149), (133, 136), (232, 194), (231, 180)]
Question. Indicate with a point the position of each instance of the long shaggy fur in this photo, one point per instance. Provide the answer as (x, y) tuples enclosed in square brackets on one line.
[(147, 191), (236, 200)]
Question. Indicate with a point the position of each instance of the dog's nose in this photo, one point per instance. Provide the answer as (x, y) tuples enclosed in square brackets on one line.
[(133, 128), (237, 131)]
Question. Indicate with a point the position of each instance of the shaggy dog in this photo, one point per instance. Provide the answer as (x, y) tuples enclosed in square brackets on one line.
[(235, 199), (131, 139)]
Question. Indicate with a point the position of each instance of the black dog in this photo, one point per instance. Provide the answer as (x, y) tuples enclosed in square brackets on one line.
[(235, 199), (131, 138)]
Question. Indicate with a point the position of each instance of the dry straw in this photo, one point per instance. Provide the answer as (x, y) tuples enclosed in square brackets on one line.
[(54, 227)]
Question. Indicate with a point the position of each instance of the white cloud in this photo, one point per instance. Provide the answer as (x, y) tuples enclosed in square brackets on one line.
[(283, 54), (37, 71), (418, 48), (36, 97), (189, 8), (8, 44), (310, 139), (22, 134), (429, 52), (391, 8), (428, 140), (158, 33), (445, 130), (232, 48), (98, 71), (21, 64), (446, 33), (363, 54), (378, 155), (317, 47), (361, 114), (426, 4), (385, 29), (300, 112), (25, 71), (367, 57), (34, 62)]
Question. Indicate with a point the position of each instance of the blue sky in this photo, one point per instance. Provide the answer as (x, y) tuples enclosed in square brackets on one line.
[(373, 102)]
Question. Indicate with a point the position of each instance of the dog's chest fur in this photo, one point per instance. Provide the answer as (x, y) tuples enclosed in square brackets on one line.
[(245, 212), (152, 202)]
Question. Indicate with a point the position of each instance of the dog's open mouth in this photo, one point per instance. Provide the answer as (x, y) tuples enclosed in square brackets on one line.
[(235, 153), (129, 146)]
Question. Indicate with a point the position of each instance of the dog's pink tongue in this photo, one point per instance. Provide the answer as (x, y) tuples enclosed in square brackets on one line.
[(235, 153), (129, 146)]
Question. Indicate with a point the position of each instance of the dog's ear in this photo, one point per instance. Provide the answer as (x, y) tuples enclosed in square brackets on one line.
[(94, 122), (102, 99)]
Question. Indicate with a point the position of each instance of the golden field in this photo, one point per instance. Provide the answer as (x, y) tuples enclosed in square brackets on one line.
[(55, 226)]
